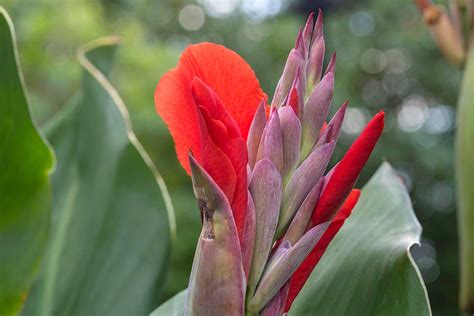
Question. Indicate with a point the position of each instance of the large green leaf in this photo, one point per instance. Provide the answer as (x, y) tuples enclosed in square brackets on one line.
[(110, 240), (25, 197), (368, 269)]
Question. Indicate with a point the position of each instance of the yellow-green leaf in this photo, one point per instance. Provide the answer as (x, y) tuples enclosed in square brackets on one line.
[(25, 191)]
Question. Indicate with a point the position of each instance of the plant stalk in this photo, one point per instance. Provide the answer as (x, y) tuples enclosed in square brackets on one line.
[(465, 183)]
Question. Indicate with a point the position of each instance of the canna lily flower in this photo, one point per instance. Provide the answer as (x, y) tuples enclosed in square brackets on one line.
[(269, 210)]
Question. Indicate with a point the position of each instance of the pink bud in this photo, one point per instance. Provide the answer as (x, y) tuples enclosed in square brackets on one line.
[(291, 137), (271, 144), (273, 279), (265, 188), (304, 179), (295, 60), (315, 112), (255, 133)]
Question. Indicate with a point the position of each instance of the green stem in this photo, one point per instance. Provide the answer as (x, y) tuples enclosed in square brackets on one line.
[(465, 183)]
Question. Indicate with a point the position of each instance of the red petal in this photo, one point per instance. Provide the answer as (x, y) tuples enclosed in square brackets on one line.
[(226, 136), (226, 73), (229, 76), (215, 161), (347, 171), (304, 271), (175, 104)]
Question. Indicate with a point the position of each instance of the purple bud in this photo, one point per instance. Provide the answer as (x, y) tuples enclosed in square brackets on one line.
[(265, 188), (291, 136), (331, 65), (249, 236), (316, 53), (217, 281), (332, 131), (271, 144), (255, 133), (276, 305), (308, 32), (295, 60), (275, 278), (304, 179), (300, 45), (315, 112), (297, 87), (300, 221), (277, 253)]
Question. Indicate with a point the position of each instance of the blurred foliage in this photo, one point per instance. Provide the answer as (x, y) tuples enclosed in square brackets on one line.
[(386, 60)]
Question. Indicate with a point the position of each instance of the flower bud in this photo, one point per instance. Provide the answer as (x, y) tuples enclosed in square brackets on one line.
[(217, 281), (265, 188), (295, 60), (271, 144), (296, 96), (446, 35), (291, 137), (332, 131), (276, 306), (304, 179), (315, 112), (308, 32), (316, 53), (301, 220), (280, 272), (255, 133), (249, 236)]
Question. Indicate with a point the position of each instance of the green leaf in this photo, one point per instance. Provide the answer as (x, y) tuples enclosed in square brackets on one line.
[(368, 269), (172, 307), (465, 183), (110, 241), (25, 192)]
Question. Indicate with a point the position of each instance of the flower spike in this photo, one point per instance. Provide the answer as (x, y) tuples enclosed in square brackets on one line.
[(269, 208)]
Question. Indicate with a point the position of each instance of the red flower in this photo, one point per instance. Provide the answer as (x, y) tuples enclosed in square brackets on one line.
[(275, 188), (208, 102)]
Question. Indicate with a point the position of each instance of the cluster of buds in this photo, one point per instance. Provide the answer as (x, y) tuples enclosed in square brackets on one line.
[(293, 208), (449, 29)]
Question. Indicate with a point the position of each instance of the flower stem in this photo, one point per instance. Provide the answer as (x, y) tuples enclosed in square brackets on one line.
[(465, 183)]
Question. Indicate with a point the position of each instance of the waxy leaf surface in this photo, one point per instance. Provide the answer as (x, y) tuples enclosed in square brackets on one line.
[(25, 191), (110, 240)]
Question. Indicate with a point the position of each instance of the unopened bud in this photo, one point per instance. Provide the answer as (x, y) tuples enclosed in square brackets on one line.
[(301, 220), (255, 133), (274, 279), (265, 188), (271, 144), (332, 131), (304, 179), (295, 60), (442, 28), (315, 112), (216, 285), (316, 53), (291, 137)]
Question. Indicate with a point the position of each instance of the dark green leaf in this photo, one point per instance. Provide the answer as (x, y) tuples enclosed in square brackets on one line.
[(110, 241), (25, 192), (368, 269)]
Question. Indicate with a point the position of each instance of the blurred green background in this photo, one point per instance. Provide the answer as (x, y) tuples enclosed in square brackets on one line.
[(386, 60)]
